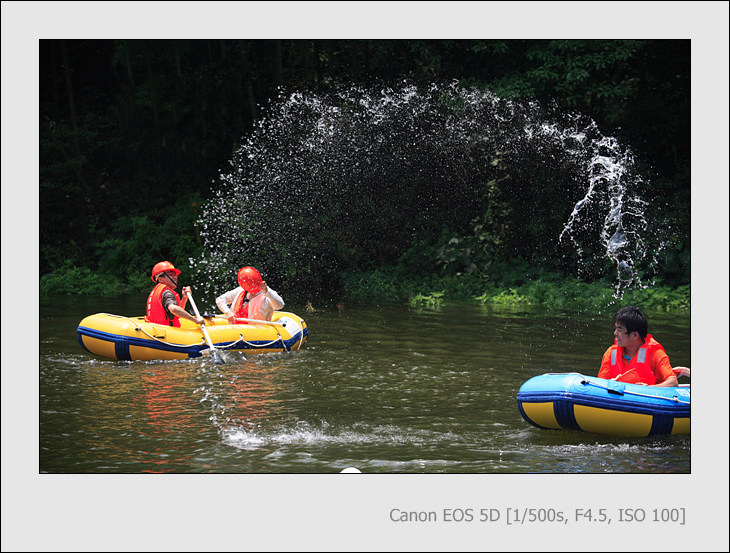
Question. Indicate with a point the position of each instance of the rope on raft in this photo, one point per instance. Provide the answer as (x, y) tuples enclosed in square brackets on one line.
[(137, 327), (249, 343), (675, 399)]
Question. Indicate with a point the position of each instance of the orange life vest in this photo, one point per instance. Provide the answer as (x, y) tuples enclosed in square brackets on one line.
[(155, 312), (240, 306), (638, 369)]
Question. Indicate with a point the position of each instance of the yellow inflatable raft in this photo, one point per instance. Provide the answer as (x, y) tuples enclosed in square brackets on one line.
[(132, 338)]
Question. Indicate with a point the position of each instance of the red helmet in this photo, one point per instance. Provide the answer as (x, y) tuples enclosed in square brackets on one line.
[(161, 267), (250, 280)]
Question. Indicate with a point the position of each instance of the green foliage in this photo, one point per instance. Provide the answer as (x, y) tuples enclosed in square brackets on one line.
[(433, 301), (590, 75), (374, 287), (473, 252), (574, 295), (72, 280), (514, 283), (133, 132), (661, 298), (507, 298), (136, 242)]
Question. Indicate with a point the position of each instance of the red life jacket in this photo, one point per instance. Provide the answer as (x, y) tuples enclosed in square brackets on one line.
[(240, 306), (638, 369), (155, 312)]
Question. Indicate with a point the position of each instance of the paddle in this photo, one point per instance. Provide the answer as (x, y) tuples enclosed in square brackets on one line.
[(217, 359)]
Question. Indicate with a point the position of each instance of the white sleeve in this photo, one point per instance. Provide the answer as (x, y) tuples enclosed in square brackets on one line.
[(224, 300), (275, 299)]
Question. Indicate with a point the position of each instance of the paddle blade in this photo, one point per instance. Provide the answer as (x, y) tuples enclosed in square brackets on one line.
[(214, 354)]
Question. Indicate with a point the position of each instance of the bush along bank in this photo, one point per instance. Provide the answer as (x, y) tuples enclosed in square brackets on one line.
[(553, 292), (430, 292), (82, 281)]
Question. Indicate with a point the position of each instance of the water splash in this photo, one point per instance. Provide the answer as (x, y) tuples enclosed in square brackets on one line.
[(311, 162), (610, 177)]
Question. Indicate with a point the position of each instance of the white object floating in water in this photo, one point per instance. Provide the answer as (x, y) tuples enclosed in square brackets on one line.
[(349, 469)]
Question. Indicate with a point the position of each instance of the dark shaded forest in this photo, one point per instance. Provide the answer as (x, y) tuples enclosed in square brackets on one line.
[(135, 133)]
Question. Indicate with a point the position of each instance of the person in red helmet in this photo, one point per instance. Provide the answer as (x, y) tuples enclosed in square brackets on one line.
[(252, 299), (164, 306)]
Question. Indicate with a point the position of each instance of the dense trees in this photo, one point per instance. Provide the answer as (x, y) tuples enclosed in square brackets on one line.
[(134, 133)]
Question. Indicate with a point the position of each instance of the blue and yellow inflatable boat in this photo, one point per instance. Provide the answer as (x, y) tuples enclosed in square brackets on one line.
[(572, 401), (132, 338)]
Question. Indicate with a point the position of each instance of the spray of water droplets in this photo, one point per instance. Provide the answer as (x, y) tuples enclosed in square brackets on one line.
[(609, 184), (313, 160)]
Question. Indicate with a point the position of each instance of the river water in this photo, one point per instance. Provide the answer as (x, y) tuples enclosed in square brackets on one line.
[(385, 390), (189, 455)]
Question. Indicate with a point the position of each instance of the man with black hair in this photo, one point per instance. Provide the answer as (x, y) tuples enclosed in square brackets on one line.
[(636, 357)]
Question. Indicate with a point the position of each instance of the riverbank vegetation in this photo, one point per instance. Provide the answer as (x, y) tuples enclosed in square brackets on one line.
[(135, 134), (430, 292), (552, 291)]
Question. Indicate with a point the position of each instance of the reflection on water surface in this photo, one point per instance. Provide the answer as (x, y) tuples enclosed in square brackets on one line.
[(386, 390)]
